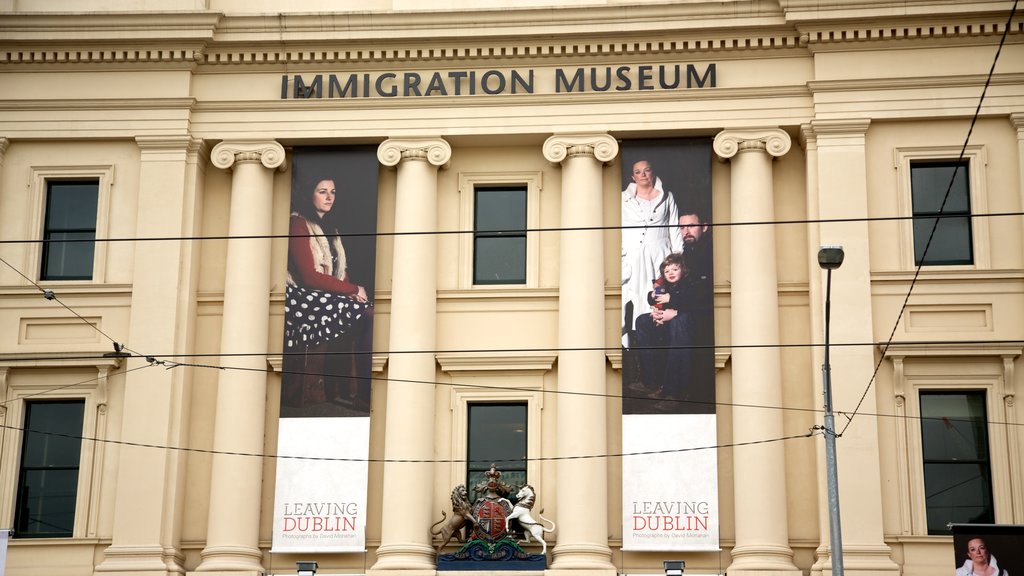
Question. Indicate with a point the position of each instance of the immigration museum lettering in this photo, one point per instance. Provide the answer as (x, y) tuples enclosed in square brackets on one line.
[(494, 82)]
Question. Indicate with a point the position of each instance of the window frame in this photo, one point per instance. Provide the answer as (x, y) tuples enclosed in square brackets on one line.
[(27, 406), (508, 234), (496, 378), (962, 368), (21, 382), (468, 183), (505, 466), (925, 461), (39, 180), (976, 158)]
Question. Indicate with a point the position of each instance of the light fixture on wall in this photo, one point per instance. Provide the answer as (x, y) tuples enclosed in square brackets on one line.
[(674, 567), (306, 568), (830, 258)]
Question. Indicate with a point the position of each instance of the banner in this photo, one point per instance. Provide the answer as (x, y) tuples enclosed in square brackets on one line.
[(323, 440), (987, 549), (4, 536), (669, 496)]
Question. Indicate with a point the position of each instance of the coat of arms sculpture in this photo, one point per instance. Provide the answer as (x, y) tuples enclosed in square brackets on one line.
[(488, 522)]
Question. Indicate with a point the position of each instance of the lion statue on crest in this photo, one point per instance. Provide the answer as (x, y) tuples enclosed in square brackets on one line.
[(461, 521)]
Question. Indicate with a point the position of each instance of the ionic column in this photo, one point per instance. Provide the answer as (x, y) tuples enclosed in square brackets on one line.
[(843, 194), (232, 541), (759, 471), (409, 421), (582, 487), (147, 518)]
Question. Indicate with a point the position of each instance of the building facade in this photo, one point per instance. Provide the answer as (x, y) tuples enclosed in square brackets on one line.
[(149, 152)]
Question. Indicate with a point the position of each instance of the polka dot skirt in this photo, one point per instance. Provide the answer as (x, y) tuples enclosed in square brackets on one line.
[(313, 317)]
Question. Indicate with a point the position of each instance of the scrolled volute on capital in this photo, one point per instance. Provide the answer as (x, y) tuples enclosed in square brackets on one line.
[(436, 151), (602, 147), (227, 153), (774, 141)]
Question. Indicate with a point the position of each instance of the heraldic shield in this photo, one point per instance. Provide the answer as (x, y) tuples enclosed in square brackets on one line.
[(491, 515), (491, 546)]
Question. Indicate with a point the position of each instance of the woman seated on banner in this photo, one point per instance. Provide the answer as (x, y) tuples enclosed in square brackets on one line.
[(328, 318)]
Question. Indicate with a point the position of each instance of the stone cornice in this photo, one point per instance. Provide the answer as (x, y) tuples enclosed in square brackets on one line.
[(817, 10), (107, 27)]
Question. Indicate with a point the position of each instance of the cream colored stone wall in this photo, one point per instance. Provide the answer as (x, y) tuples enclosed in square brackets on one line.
[(127, 90)]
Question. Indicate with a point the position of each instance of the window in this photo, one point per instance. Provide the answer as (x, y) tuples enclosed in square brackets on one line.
[(499, 235), (496, 435), (951, 243), (69, 229), (957, 455), (923, 176), (48, 479), (955, 447)]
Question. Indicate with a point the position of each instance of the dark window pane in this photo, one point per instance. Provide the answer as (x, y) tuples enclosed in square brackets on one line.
[(957, 493), (499, 236), (68, 260), (957, 474), (70, 215), (48, 479), (929, 181), (500, 261), (952, 241), (71, 205), (500, 209), (497, 435)]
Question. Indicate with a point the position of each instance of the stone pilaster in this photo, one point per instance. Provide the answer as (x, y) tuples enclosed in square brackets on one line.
[(147, 514), (842, 192), (409, 422), (582, 484), (1017, 120), (759, 471), (232, 542)]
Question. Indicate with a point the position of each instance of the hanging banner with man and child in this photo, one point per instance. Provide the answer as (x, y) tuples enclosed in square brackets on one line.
[(324, 435), (670, 485)]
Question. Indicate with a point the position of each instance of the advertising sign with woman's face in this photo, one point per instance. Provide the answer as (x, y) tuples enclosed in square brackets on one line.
[(668, 357), (320, 497)]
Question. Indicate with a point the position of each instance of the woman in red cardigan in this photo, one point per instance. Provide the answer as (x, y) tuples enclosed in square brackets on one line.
[(327, 316)]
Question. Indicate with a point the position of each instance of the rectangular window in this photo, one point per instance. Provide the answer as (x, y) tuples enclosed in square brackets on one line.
[(48, 478), (499, 235), (955, 449), (952, 242), (69, 229), (497, 435)]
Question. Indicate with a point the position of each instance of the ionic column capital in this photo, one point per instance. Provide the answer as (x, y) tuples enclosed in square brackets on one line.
[(773, 141), (228, 153), (602, 147), (436, 151)]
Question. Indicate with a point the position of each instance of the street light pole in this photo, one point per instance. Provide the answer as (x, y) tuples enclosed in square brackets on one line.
[(830, 258)]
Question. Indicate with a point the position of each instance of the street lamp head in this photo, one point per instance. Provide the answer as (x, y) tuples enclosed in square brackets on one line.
[(830, 257)]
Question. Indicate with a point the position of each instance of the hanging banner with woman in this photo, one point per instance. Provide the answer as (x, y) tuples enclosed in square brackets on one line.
[(320, 499), (670, 494)]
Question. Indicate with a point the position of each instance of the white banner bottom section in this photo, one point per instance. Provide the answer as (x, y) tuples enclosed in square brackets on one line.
[(4, 536), (670, 490), (320, 498)]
